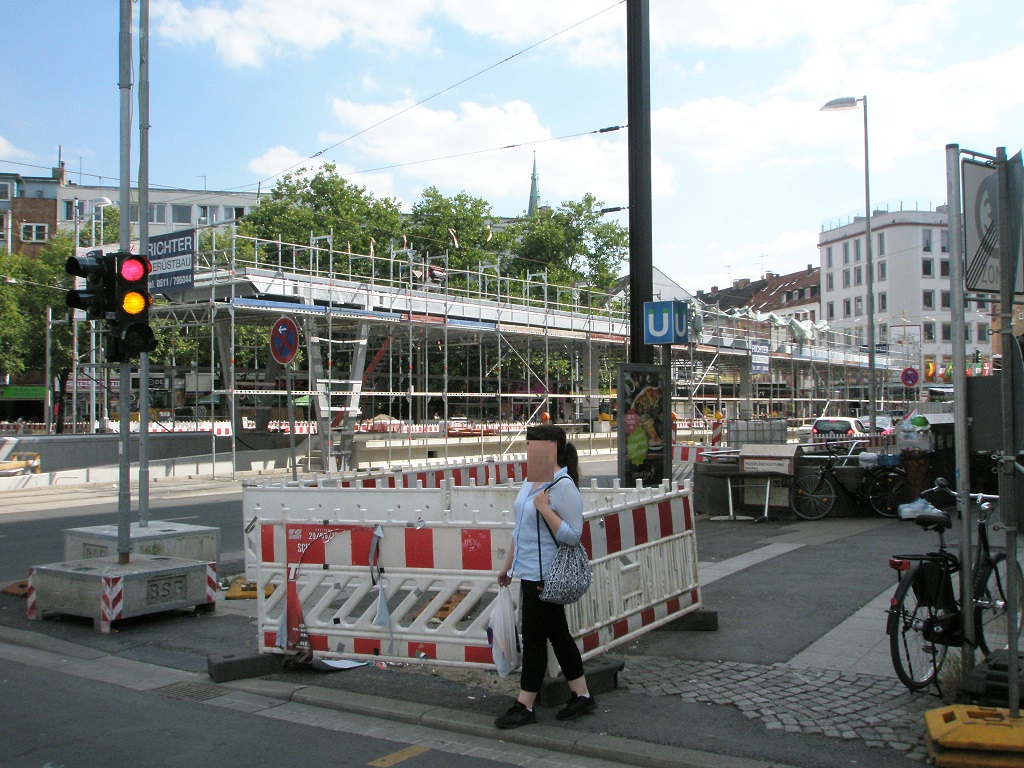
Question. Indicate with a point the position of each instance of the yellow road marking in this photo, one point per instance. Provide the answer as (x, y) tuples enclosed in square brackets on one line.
[(398, 757)]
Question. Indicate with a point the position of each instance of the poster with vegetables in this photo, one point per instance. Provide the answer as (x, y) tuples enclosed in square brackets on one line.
[(645, 436)]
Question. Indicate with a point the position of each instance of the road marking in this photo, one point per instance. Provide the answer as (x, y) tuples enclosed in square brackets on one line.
[(398, 757), (177, 519)]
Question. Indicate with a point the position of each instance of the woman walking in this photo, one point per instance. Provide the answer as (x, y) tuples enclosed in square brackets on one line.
[(546, 515)]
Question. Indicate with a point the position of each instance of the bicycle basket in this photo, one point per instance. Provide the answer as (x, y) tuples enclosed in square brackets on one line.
[(934, 586)]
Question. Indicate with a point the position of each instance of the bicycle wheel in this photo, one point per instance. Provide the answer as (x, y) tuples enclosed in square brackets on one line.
[(887, 490), (991, 606), (917, 661), (813, 496)]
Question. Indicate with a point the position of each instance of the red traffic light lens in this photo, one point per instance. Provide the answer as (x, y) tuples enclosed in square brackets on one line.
[(133, 269)]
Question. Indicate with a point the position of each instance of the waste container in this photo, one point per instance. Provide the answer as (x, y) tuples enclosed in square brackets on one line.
[(916, 444)]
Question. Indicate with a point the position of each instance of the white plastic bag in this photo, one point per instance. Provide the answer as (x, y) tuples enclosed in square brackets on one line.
[(503, 634)]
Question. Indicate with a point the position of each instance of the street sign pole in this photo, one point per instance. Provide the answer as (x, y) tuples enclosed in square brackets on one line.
[(291, 420), (284, 343)]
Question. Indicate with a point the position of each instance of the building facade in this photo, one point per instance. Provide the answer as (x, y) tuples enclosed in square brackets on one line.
[(912, 289)]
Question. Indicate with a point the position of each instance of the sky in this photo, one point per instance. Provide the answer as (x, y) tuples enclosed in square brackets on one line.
[(463, 95)]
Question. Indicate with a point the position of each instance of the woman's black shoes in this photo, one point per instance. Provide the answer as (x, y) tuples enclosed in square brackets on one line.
[(517, 716), (577, 706)]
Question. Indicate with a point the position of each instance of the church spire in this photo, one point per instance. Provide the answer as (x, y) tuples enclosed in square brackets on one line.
[(534, 190)]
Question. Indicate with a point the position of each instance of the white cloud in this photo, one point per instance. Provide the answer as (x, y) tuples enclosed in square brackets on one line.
[(459, 140), (247, 32), (10, 152)]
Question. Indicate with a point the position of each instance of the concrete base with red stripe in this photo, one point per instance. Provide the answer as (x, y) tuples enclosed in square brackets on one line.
[(106, 591)]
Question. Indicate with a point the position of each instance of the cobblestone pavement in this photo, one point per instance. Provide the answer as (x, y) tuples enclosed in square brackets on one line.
[(841, 705)]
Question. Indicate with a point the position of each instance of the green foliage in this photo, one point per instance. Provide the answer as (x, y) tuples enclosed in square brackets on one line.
[(573, 243), (427, 228), (301, 206)]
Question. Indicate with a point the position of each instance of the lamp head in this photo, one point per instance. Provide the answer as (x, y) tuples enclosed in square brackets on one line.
[(844, 102)]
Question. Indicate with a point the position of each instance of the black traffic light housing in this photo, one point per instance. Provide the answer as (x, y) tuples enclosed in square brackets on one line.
[(98, 299), (131, 333)]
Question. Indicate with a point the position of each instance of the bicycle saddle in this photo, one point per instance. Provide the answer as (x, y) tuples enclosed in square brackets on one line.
[(925, 515)]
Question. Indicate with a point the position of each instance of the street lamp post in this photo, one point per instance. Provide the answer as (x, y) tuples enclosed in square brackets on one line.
[(850, 102)]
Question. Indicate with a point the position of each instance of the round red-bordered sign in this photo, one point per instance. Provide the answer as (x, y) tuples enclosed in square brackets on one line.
[(284, 340), (909, 377)]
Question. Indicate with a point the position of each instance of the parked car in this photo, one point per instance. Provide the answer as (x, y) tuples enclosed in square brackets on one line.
[(881, 425), (838, 428)]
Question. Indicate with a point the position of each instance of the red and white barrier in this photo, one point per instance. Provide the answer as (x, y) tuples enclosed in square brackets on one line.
[(112, 602), (30, 603), (408, 573)]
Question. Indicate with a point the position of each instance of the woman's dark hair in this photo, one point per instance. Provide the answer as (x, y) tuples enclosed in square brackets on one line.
[(566, 454)]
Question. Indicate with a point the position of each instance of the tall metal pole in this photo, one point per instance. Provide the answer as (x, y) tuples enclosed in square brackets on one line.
[(144, 251), (960, 438), (1008, 254), (641, 269), (124, 497), (869, 252)]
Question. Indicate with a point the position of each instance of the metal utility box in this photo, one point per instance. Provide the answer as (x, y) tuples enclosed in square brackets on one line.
[(775, 464)]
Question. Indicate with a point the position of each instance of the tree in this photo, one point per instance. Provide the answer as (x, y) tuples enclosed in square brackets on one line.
[(319, 205), (574, 243), (458, 225)]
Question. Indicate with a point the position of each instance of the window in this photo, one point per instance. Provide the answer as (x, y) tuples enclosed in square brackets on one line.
[(883, 302), (928, 299), (846, 278), (157, 213), (944, 240), (5, 190), (207, 214), (828, 256), (881, 243), (983, 332), (883, 332), (830, 311), (967, 331), (926, 240), (981, 304), (928, 331), (133, 212), (846, 253), (946, 298), (881, 271), (34, 233), (944, 268), (233, 212), (947, 331), (181, 214), (856, 250), (846, 308), (858, 275), (829, 282), (927, 268), (858, 305), (69, 209)]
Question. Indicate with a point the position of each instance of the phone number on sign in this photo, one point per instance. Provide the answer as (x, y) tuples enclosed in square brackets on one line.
[(173, 281)]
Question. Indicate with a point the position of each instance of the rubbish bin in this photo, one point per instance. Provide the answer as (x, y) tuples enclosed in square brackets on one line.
[(916, 444)]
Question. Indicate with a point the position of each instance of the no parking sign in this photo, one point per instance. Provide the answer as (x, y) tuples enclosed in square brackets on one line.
[(909, 377), (284, 340)]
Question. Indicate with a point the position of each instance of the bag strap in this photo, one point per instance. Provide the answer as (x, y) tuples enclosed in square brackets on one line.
[(540, 562)]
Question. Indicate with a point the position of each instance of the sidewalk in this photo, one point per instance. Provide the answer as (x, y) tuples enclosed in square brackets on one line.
[(797, 675)]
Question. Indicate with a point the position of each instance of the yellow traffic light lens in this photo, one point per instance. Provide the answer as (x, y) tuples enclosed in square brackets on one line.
[(133, 303)]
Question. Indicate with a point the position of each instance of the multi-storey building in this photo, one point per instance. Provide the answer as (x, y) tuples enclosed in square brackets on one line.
[(34, 208), (913, 307)]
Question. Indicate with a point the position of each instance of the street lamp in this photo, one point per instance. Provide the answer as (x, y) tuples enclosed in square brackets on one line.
[(850, 102), (101, 203)]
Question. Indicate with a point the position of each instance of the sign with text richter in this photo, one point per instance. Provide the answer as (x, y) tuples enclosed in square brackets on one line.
[(173, 259)]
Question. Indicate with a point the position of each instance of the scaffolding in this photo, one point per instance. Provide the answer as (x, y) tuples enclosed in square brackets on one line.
[(403, 342)]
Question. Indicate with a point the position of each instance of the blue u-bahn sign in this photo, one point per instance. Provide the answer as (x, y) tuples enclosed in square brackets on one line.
[(666, 322)]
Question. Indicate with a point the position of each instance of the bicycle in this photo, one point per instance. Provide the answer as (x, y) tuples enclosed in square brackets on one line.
[(813, 496), (925, 615)]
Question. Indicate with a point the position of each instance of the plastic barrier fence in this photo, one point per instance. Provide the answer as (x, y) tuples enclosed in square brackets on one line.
[(507, 469), (409, 574)]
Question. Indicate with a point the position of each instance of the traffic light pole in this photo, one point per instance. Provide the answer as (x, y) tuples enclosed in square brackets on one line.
[(124, 490)]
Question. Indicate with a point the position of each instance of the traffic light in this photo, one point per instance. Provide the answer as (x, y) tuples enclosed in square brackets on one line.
[(98, 299), (132, 333)]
